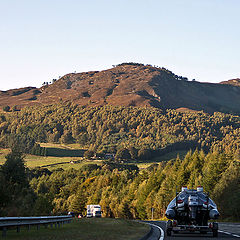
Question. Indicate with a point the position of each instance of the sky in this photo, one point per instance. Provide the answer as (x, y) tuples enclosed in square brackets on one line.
[(44, 39)]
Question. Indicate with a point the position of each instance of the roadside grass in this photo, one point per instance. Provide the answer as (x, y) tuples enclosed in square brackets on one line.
[(86, 229)]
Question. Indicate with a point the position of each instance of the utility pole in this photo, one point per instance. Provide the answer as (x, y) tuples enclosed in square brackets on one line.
[(152, 212)]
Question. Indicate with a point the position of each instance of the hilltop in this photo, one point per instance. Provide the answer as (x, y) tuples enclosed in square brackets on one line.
[(131, 84), (234, 82)]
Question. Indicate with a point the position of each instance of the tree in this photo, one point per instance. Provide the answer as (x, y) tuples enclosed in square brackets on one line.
[(20, 197), (14, 169), (14, 108), (67, 137), (124, 210), (42, 206), (144, 154), (123, 154), (133, 152), (78, 203), (88, 154), (4, 194), (6, 108), (227, 192)]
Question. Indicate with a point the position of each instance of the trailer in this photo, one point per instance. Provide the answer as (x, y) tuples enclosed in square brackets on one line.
[(174, 227), (190, 211)]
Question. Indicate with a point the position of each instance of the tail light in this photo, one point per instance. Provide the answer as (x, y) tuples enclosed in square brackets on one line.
[(180, 201)]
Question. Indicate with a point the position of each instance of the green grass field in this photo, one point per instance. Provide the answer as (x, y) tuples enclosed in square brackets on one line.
[(85, 229), (65, 160), (33, 161), (166, 157), (63, 146)]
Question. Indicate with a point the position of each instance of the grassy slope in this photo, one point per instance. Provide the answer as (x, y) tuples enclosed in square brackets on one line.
[(166, 157), (38, 161), (94, 229), (33, 161)]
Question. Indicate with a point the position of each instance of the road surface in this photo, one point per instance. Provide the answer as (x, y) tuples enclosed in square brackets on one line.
[(226, 231)]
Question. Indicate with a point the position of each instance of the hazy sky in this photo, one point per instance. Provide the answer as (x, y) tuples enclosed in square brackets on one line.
[(44, 39)]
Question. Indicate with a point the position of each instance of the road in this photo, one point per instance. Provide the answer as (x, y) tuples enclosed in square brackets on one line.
[(226, 231)]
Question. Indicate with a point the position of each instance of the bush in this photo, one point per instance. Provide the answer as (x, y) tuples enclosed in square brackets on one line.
[(123, 154), (88, 154), (6, 108), (144, 154)]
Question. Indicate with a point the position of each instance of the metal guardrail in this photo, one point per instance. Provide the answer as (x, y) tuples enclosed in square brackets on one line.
[(18, 222)]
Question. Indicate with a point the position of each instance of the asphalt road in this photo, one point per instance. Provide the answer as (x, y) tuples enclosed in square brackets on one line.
[(226, 231)]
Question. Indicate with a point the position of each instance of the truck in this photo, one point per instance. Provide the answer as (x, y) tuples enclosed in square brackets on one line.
[(190, 211), (94, 211)]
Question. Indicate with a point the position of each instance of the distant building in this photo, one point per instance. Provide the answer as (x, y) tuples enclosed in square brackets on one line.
[(110, 156)]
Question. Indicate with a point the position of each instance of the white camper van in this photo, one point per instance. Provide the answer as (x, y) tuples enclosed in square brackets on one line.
[(94, 211)]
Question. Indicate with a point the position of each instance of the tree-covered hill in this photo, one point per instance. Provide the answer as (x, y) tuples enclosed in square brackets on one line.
[(144, 132), (121, 190), (129, 84)]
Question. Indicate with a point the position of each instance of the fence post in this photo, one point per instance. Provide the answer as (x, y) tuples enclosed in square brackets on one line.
[(4, 232)]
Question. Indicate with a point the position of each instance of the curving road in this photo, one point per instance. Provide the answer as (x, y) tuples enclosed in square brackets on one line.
[(226, 231)]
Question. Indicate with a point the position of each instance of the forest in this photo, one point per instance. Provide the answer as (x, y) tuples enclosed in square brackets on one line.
[(108, 129), (122, 189)]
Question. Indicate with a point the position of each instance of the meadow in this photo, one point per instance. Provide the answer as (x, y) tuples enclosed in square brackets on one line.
[(61, 157)]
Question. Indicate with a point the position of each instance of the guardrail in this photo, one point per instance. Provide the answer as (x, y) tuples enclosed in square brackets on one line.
[(18, 222)]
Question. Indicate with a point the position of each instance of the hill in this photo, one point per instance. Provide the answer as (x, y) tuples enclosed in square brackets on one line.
[(234, 82), (151, 131), (130, 84)]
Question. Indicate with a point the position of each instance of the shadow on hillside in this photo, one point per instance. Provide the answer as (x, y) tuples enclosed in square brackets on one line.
[(59, 152)]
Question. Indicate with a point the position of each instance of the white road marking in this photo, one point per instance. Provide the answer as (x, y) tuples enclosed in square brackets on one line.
[(161, 231), (234, 235)]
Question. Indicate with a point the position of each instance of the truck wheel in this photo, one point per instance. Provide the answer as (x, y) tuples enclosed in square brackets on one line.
[(215, 226), (215, 229), (169, 232)]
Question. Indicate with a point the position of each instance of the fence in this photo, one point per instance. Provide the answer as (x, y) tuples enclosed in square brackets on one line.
[(18, 222)]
